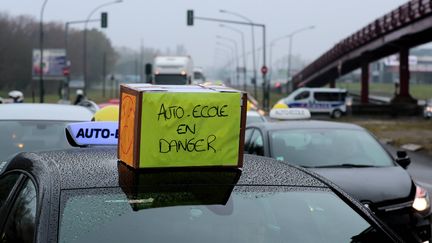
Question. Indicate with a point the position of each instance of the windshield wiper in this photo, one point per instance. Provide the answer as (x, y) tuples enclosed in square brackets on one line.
[(342, 166)]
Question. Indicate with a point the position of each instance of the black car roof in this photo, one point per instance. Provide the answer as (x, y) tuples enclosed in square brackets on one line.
[(98, 167), (306, 124), (82, 168)]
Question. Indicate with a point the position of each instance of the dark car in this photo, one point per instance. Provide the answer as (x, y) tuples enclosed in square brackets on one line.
[(353, 159), (86, 195)]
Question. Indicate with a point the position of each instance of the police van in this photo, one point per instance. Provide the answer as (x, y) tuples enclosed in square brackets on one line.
[(319, 100)]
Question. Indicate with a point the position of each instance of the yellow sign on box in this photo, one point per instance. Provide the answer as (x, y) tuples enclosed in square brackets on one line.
[(181, 126), (190, 129)]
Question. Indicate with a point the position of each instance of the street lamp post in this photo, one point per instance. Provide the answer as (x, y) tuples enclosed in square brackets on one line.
[(236, 55), (243, 50), (67, 24), (272, 44), (266, 94), (85, 39), (253, 46), (219, 52), (290, 36), (41, 65), (224, 53), (231, 51)]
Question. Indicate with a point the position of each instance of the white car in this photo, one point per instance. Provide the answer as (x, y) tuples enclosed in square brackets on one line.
[(36, 127)]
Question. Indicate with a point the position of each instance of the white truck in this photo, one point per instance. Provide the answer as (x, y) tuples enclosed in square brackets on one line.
[(173, 70)]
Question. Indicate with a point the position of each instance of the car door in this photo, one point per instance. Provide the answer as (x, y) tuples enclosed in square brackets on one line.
[(248, 136), (7, 185), (327, 101), (301, 100), (18, 208), (321, 102)]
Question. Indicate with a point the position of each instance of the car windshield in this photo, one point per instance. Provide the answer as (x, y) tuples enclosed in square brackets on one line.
[(208, 214), (26, 136), (328, 147)]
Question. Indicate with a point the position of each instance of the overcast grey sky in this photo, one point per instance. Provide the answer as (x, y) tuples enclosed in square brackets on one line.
[(162, 23)]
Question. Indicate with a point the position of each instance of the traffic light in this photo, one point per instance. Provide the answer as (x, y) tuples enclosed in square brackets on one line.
[(190, 17), (148, 69), (104, 19)]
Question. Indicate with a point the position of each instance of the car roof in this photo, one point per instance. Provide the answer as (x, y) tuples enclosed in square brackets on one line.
[(99, 167), (51, 112), (253, 113), (306, 124), (334, 90)]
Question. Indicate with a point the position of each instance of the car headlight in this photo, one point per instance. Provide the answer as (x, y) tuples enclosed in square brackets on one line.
[(421, 202), (429, 108)]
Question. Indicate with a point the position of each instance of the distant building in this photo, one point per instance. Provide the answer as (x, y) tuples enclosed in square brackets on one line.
[(386, 70)]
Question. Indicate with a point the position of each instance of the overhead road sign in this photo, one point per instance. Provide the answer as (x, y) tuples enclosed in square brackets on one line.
[(53, 64)]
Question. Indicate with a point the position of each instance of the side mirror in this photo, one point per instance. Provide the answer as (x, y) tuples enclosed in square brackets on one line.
[(403, 159)]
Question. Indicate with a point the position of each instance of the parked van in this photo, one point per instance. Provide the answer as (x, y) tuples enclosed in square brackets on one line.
[(319, 100)]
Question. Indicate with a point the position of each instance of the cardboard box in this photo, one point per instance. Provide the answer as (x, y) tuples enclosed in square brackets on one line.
[(166, 126)]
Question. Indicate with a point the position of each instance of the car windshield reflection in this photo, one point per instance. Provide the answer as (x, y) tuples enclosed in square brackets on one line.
[(26, 136), (328, 148), (280, 215)]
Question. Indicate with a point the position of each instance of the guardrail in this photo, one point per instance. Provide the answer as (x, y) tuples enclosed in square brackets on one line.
[(402, 16)]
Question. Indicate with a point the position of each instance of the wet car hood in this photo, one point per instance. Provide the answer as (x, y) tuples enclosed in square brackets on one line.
[(371, 184)]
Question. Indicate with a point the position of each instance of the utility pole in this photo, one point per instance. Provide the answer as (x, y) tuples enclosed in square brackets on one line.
[(254, 79), (41, 64), (67, 24), (112, 85), (103, 74), (236, 56), (85, 39), (230, 52), (291, 35), (136, 70), (243, 51), (141, 64), (264, 69), (266, 102)]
